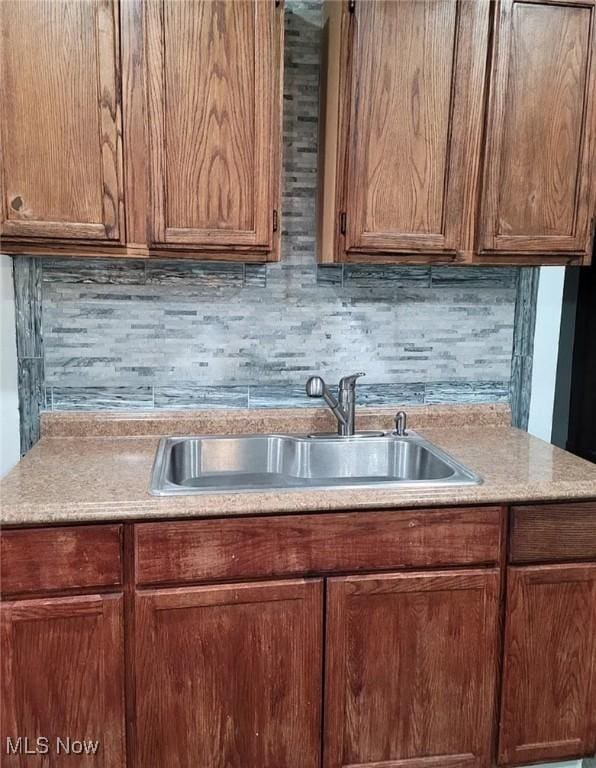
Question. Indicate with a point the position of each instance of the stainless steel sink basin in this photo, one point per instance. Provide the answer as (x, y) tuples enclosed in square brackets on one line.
[(208, 464)]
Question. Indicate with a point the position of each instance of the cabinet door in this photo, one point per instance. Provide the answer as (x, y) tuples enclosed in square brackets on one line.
[(416, 94), (230, 676), (538, 191), (61, 132), (62, 679), (549, 690), (411, 670), (213, 106)]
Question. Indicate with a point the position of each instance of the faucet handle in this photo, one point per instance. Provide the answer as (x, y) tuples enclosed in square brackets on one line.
[(315, 386), (401, 424), (350, 381)]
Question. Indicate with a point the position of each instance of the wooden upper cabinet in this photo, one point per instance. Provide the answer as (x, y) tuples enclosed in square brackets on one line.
[(413, 170), (61, 143), (229, 675), (411, 664), (548, 710), (402, 127), (172, 106), (214, 107), (540, 173)]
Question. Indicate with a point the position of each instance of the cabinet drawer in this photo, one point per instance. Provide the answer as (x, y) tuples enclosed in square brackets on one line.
[(46, 559), (242, 548), (553, 532)]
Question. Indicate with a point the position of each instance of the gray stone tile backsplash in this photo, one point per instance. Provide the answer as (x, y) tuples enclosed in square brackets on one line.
[(135, 334), (201, 397), (232, 334), (99, 398)]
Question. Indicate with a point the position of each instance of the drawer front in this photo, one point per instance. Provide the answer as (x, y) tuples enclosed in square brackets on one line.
[(242, 548), (553, 532), (50, 559)]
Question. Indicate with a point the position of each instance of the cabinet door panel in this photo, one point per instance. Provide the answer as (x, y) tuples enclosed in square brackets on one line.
[(230, 676), (411, 670), (416, 91), (549, 689), (212, 77), (61, 122), (62, 677), (538, 188)]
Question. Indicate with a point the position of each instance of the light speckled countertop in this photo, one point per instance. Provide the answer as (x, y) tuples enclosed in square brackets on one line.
[(85, 468)]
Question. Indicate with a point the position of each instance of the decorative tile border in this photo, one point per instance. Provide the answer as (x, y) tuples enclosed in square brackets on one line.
[(200, 397), (27, 273), (474, 277), (520, 390), (211, 276), (30, 356), (32, 398), (101, 398), (98, 271), (281, 396), (189, 396), (391, 394), (466, 392), (365, 276)]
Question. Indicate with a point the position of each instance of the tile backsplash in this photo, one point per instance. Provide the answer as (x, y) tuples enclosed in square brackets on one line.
[(160, 333), (132, 334)]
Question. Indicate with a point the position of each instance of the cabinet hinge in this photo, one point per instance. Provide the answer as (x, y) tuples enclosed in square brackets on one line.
[(351, 6), (274, 220), (342, 222)]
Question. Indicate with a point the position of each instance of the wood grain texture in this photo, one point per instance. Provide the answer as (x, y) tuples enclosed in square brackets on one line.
[(136, 164), (43, 247), (415, 124), (212, 100), (61, 121), (210, 118), (129, 594), (243, 548), (62, 676), (330, 98), (553, 532), (403, 67), (230, 676), (410, 671), (336, 98), (50, 559), (538, 186), (548, 709)]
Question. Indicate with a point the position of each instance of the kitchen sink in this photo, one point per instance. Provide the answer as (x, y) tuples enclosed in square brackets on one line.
[(227, 463)]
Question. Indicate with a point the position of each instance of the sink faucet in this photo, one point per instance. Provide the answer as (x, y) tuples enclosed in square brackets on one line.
[(344, 408)]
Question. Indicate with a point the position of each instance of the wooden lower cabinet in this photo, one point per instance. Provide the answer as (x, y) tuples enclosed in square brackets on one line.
[(395, 669), (411, 669), (63, 682), (549, 690), (229, 676)]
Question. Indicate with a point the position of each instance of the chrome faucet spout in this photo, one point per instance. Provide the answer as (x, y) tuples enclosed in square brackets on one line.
[(344, 407)]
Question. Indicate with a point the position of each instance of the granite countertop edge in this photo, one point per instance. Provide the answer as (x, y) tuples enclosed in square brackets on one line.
[(257, 504), (100, 478)]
